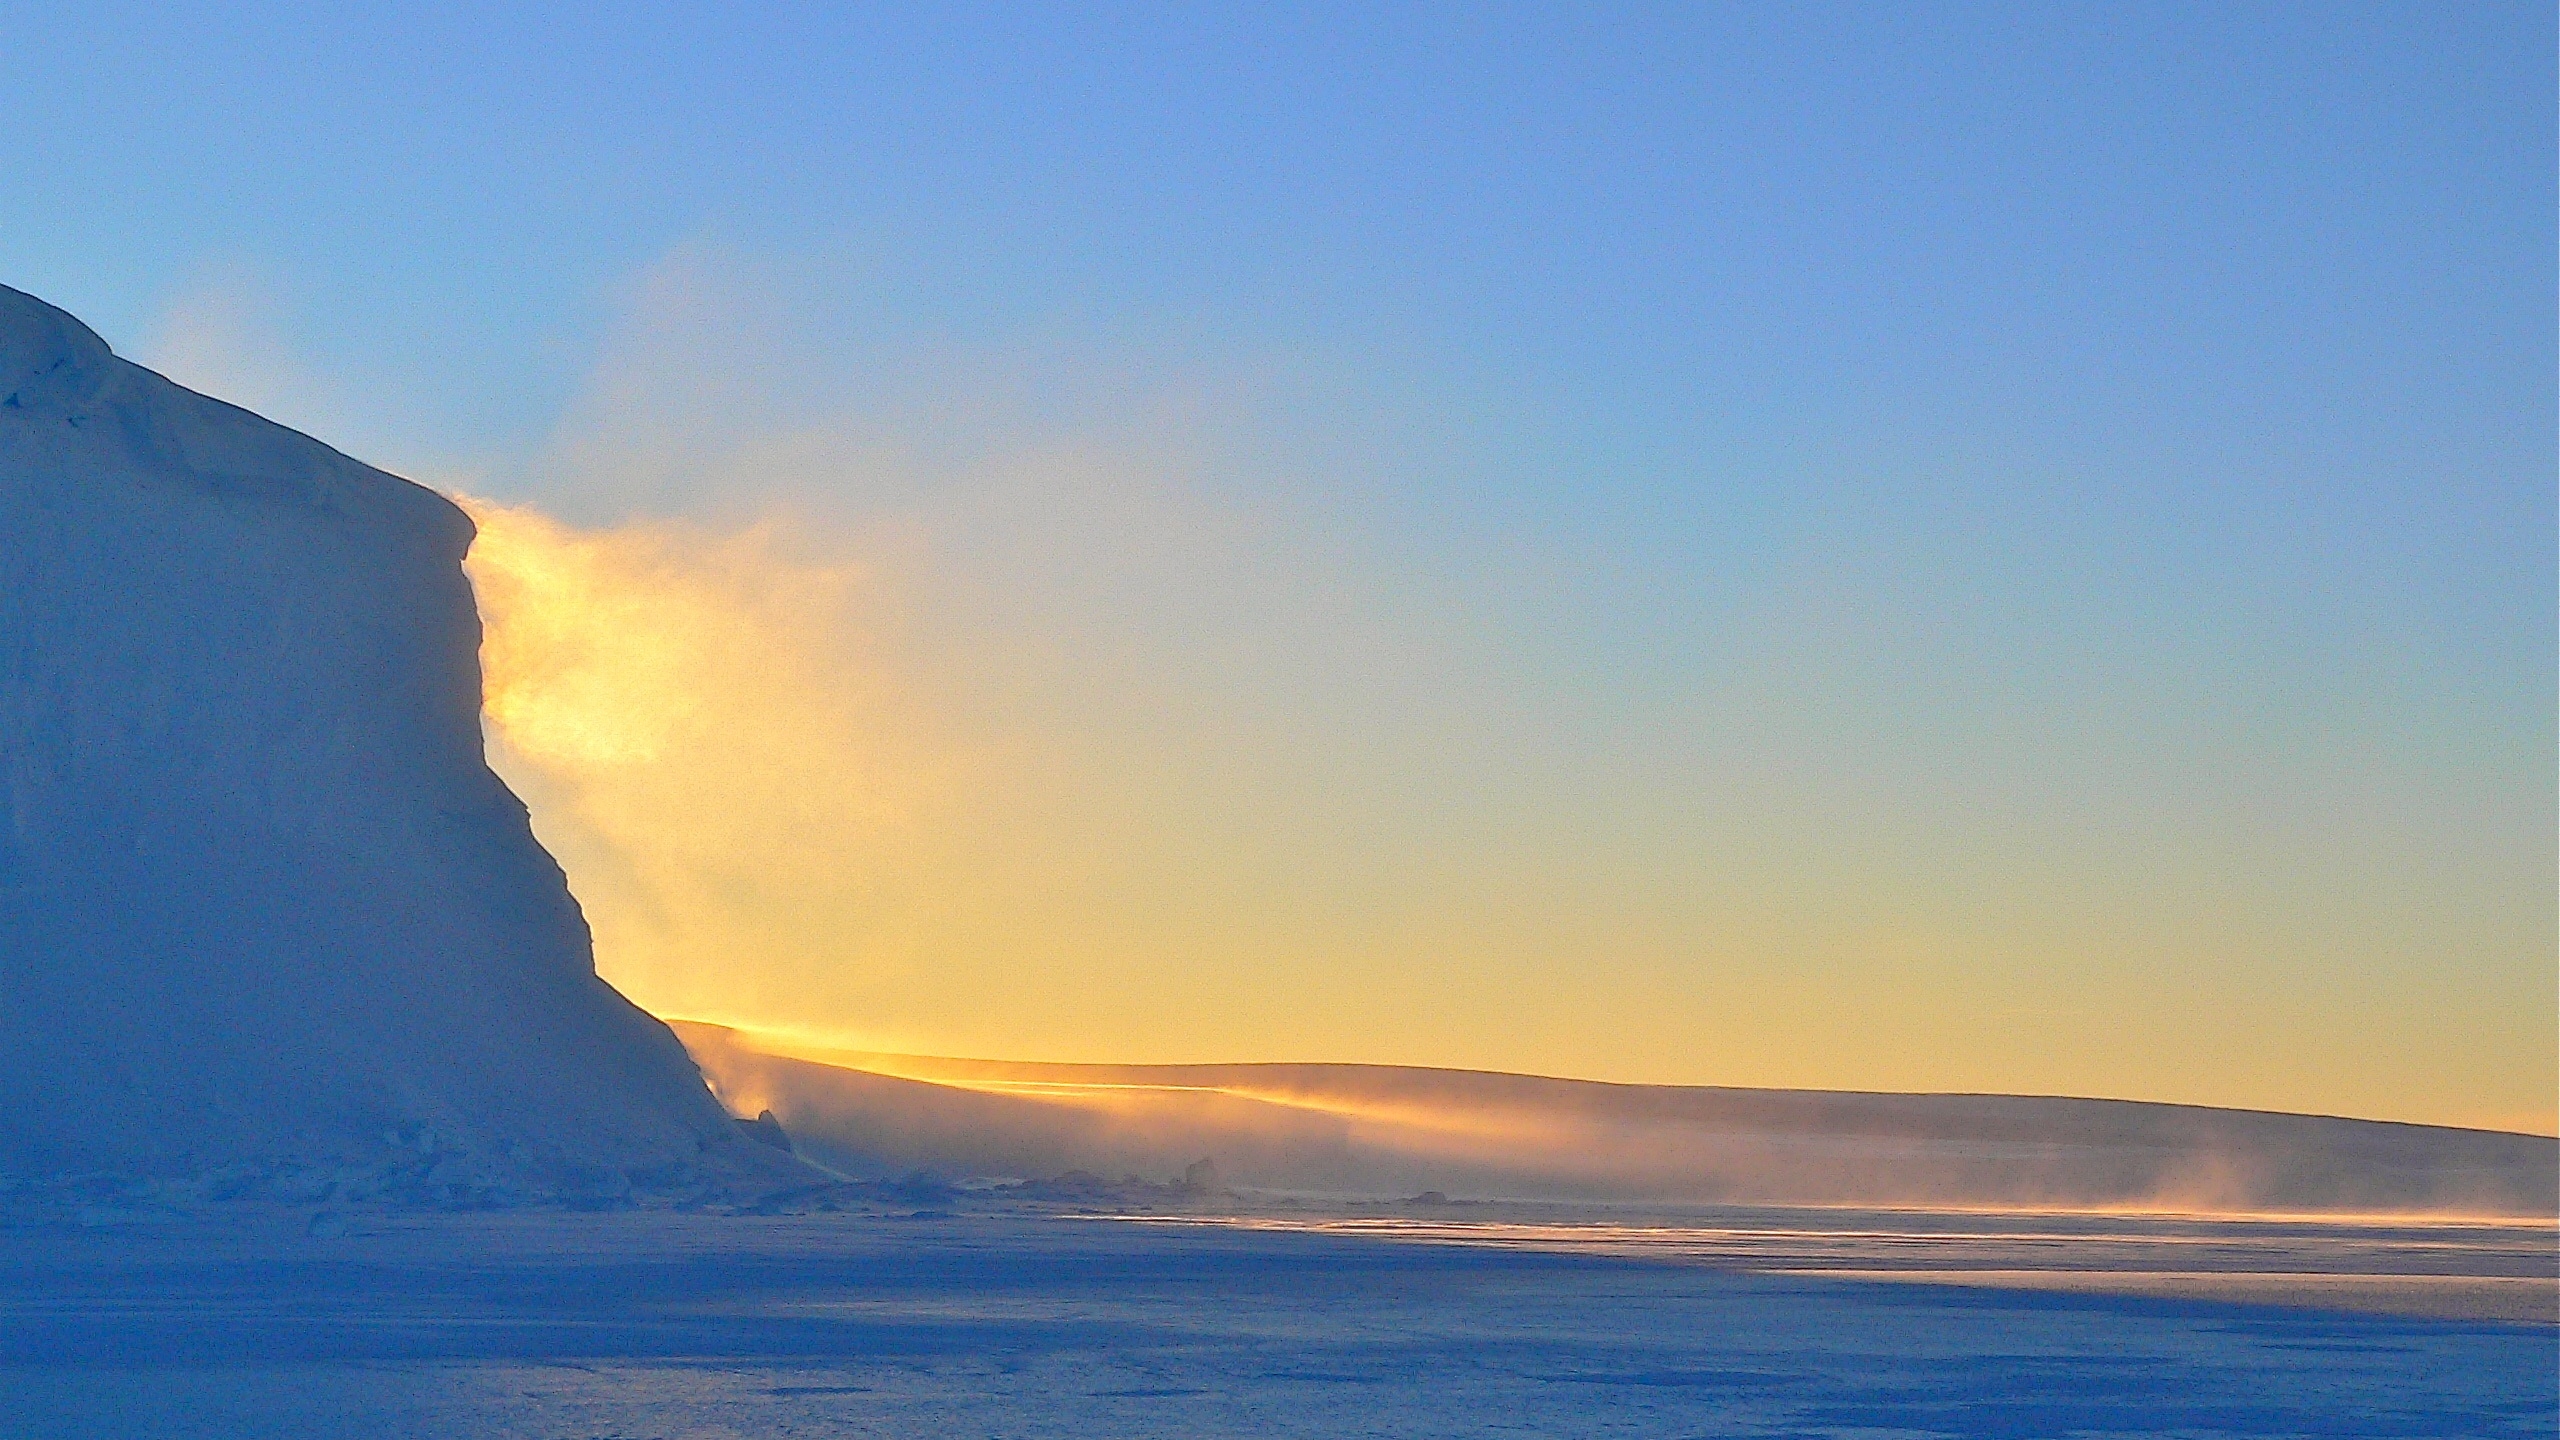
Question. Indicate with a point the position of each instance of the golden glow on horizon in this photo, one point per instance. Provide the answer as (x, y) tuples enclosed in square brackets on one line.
[(782, 809), (1420, 1126), (1458, 1123)]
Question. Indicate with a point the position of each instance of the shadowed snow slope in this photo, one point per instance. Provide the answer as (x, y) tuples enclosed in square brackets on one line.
[(1395, 1130), (260, 897)]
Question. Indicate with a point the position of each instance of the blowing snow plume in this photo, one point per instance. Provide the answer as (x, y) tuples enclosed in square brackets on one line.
[(261, 899), (714, 763)]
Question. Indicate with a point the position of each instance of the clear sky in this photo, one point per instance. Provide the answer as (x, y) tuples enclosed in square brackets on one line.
[(1883, 546)]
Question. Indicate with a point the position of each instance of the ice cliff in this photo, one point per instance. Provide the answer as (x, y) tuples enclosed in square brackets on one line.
[(261, 898)]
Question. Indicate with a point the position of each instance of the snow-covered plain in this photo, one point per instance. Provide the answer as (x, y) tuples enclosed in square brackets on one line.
[(970, 1317)]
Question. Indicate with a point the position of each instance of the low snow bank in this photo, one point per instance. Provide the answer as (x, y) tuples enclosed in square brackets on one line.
[(1387, 1130)]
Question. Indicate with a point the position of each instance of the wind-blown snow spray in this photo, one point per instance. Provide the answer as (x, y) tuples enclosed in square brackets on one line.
[(690, 717)]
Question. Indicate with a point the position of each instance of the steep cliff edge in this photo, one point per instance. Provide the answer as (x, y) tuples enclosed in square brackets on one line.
[(261, 899)]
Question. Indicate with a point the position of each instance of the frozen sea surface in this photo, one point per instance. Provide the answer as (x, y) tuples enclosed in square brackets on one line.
[(632, 1325)]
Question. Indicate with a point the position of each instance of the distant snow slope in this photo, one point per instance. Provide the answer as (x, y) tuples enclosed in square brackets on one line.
[(1398, 1130), (260, 897)]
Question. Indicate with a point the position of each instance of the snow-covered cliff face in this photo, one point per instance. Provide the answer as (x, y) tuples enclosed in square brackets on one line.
[(259, 894)]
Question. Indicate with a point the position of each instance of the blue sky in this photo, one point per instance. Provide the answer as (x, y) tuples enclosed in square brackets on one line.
[(1975, 432), (2257, 268)]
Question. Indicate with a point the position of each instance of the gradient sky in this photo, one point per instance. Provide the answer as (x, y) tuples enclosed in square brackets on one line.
[(1892, 547)]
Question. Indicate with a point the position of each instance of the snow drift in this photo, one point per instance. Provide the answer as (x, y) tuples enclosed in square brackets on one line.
[(260, 896), (1386, 1130)]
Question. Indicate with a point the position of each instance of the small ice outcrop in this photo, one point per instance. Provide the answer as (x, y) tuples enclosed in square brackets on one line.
[(766, 1129)]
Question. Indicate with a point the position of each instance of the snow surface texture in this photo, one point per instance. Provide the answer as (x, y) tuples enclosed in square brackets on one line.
[(261, 901), (1394, 1130), (554, 1326)]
